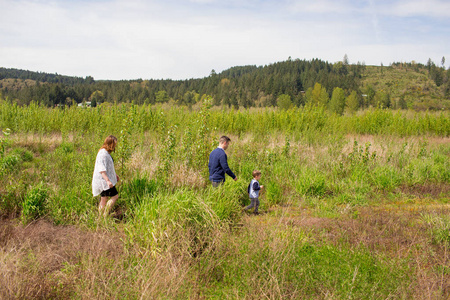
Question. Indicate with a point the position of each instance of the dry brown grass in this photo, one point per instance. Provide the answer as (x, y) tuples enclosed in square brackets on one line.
[(183, 176), (43, 261), (143, 162), (33, 258), (396, 232), (430, 189)]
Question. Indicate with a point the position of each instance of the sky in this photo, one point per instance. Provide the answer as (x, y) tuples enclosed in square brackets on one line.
[(175, 39)]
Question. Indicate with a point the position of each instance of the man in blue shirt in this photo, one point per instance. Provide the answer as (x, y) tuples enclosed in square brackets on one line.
[(218, 164)]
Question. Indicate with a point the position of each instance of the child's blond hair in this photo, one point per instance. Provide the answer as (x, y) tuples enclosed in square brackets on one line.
[(256, 173)]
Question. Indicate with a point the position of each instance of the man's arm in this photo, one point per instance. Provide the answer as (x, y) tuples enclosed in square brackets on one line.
[(226, 168)]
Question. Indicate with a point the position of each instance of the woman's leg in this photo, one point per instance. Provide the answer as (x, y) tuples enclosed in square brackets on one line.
[(102, 204), (110, 204)]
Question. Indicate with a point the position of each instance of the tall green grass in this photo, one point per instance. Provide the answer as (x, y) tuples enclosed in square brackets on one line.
[(291, 265), (301, 122), (325, 165)]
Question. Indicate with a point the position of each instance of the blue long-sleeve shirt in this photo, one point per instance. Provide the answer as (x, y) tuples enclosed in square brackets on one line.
[(218, 165)]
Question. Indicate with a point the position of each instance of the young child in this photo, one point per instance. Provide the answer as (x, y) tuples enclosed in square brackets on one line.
[(253, 191)]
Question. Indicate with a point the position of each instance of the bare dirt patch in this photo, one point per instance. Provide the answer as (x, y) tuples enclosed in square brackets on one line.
[(435, 190)]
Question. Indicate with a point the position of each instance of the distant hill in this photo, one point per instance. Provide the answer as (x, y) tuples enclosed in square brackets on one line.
[(404, 85), (411, 82), (42, 77)]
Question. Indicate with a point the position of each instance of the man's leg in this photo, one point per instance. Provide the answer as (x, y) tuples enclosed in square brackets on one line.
[(216, 183)]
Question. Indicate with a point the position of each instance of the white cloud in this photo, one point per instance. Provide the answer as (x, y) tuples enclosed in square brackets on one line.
[(320, 7), (184, 39), (418, 8)]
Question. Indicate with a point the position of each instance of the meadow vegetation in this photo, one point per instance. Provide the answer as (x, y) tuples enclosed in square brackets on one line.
[(355, 205)]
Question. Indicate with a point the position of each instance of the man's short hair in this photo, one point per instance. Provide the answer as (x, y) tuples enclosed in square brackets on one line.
[(256, 173), (224, 139)]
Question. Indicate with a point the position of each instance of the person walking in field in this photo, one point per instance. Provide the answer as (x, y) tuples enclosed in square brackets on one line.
[(218, 164), (253, 191), (105, 177)]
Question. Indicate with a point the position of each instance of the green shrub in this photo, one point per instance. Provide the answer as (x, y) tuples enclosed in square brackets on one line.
[(311, 183), (34, 204), (23, 154), (138, 188), (439, 228), (9, 162), (71, 205), (273, 193), (385, 177)]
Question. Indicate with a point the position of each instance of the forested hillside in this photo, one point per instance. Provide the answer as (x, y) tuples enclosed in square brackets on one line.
[(292, 82)]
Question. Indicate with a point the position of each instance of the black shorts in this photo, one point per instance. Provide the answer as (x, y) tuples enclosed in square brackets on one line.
[(110, 193)]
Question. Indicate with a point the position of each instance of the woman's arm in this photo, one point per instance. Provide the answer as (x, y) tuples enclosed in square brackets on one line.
[(108, 182)]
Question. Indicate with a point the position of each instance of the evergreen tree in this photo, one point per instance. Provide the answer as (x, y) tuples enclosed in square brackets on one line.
[(402, 102), (370, 95)]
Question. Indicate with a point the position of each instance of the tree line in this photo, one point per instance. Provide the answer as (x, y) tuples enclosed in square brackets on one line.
[(287, 83)]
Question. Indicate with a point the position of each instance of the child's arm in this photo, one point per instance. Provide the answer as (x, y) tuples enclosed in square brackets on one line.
[(256, 186)]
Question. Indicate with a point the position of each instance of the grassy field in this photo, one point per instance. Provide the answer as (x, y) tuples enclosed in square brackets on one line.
[(355, 206)]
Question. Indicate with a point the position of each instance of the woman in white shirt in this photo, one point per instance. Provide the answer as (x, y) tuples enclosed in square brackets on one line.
[(105, 177)]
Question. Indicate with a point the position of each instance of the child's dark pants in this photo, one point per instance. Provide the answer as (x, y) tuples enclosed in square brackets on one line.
[(254, 203)]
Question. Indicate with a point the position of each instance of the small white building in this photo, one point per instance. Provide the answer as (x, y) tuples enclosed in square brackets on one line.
[(85, 104)]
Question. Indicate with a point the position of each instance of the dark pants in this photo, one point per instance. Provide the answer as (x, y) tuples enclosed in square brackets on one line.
[(217, 183), (254, 203)]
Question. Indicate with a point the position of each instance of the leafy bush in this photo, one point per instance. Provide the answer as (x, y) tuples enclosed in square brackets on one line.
[(195, 214), (23, 154), (311, 183), (9, 162), (385, 178), (134, 191), (439, 227), (34, 204)]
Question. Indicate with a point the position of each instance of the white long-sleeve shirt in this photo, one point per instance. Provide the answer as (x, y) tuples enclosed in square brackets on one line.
[(103, 163)]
